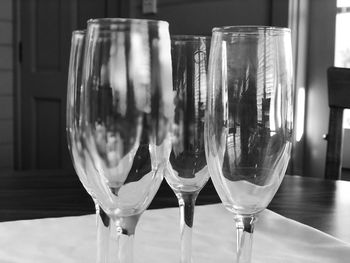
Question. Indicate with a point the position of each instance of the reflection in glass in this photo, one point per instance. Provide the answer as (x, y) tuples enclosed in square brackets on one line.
[(74, 137), (187, 172), (127, 113), (249, 126)]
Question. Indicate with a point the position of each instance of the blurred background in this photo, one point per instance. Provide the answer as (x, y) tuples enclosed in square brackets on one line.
[(34, 52)]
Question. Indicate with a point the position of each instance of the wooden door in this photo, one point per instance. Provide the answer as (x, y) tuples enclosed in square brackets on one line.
[(45, 32)]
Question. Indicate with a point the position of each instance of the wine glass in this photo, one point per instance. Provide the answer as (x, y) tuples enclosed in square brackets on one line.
[(74, 136), (126, 117), (186, 171), (249, 123)]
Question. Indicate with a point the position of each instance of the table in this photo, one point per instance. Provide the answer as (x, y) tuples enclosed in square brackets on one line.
[(73, 239), (322, 204)]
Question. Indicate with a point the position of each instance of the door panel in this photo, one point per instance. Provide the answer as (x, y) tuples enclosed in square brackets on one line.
[(46, 27), (47, 36), (48, 157)]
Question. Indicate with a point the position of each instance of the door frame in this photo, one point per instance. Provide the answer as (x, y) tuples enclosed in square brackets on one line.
[(17, 84)]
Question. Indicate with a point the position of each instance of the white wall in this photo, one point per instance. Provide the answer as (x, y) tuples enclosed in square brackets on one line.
[(6, 85), (320, 56)]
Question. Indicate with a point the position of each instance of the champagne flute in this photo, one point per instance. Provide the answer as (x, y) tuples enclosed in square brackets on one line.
[(249, 124), (187, 171), (74, 133), (126, 116)]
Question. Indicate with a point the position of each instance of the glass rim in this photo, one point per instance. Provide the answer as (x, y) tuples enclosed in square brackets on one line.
[(189, 37), (125, 21), (251, 30), (79, 32)]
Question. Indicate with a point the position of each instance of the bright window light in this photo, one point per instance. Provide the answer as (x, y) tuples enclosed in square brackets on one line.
[(342, 44), (300, 113), (343, 3)]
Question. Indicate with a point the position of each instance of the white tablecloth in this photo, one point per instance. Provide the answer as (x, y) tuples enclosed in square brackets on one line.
[(73, 239)]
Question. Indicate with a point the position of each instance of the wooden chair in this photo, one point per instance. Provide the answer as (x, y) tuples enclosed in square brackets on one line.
[(338, 100)]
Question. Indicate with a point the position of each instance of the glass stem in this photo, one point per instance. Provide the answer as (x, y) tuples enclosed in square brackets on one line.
[(187, 202), (115, 238), (103, 223), (122, 236), (245, 229)]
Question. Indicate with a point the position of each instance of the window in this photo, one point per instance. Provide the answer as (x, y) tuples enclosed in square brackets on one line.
[(342, 44)]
